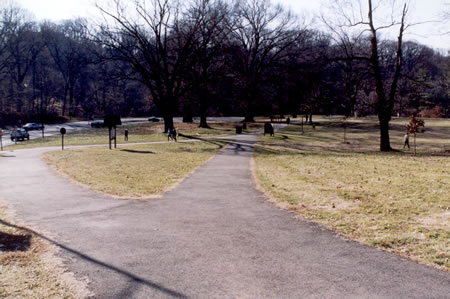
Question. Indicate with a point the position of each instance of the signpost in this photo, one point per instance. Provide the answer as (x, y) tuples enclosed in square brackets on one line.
[(114, 137), (62, 131), (111, 121)]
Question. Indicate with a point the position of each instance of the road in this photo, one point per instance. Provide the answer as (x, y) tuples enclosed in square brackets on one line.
[(84, 125), (213, 236)]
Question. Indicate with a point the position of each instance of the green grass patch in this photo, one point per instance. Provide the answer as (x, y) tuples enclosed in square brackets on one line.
[(138, 171), (396, 201), (138, 133)]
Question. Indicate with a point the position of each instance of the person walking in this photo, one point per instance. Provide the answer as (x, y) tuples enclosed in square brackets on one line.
[(126, 134), (174, 134), (406, 141), (169, 134)]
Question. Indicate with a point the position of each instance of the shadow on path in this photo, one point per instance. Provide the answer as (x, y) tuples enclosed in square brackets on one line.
[(133, 278), (218, 142)]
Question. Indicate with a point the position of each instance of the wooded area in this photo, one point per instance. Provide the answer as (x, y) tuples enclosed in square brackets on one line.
[(212, 57)]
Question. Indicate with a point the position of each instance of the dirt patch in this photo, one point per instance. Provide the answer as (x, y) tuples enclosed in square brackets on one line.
[(441, 221)]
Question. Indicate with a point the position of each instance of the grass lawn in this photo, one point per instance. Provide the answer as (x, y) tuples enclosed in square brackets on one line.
[(138, 133), (26, 269), (397, 201), (139, 171)]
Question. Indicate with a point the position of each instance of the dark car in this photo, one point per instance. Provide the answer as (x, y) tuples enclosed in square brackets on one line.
[(97, 124), (19, 134), (33, 126), (154, 119)]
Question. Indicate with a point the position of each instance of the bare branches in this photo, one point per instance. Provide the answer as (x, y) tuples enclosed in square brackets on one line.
[(446, 16), (350, 31), (159, 39), (261, 33)]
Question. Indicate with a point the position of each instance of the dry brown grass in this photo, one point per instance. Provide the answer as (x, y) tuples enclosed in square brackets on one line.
[(396, 201), (139, 171), (28, 267)]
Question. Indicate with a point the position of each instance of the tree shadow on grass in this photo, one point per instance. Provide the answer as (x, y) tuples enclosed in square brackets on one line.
[(284, 138), (318, 150), (136, 151), (219, 143), (238, 148), (291, 135), (130, 276)]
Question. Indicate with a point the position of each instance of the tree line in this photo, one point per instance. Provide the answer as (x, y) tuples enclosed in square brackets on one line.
[(215, 57)]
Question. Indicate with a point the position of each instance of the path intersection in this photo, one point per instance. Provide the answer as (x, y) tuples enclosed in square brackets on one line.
[(213, 236)]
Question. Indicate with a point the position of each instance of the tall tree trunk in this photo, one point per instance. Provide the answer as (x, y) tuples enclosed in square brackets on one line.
[(379, 88), (64, 102), (384, 104), (249, 118), (203, 121), (167, 112), (71, 96), (168, 123), (19, 99), (187, 114), (249, 97), (385, 144), (249, 111)]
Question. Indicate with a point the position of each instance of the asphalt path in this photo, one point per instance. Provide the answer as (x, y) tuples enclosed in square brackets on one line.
[(213, 236)]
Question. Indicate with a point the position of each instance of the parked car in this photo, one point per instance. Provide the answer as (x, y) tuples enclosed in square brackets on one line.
[(19, 134), (154, 119), (33, 126), (97, 124)]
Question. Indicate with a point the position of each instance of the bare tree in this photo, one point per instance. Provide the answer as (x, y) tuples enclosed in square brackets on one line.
[(260, 34), (446, 16), (353, 25), (67, 44), (23, 45), (208, 52), (153, 39), (446, 12), (306, 71), (6, 17), (353, 75)]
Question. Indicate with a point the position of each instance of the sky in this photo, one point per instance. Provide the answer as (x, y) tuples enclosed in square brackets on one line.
[(421, 10)]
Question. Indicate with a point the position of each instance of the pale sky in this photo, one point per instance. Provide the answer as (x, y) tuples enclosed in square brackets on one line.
[(421, 10)]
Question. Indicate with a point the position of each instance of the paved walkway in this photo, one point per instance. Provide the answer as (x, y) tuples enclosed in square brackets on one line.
[(212, 236)]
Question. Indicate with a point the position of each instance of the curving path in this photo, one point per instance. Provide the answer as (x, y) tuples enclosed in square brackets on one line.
[(214, 235)]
